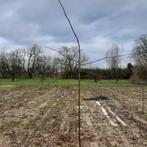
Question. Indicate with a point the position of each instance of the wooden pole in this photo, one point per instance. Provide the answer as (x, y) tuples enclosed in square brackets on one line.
[(142, 91), (79, 72)]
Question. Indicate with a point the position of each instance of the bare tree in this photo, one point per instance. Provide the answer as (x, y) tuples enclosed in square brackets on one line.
[(32, 57), (3, 64), (43, 65), (113, 60), (140, 49), (69, 60), (56, 67), (14, 65), (140, 58), (34, 63)]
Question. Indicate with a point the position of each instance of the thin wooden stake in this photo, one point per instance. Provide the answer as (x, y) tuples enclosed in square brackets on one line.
[(79, 72), (142, 91)]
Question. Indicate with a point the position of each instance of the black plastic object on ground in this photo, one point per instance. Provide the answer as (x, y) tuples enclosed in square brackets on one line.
[(97, 98)]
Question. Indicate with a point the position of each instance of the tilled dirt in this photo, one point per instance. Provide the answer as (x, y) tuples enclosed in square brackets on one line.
[(47, 117)]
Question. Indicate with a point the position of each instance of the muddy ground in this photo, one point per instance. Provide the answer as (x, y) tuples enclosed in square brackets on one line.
[(47, 117)]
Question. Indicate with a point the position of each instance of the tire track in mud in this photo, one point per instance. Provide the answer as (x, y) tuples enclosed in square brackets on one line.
[(109, 114), (124, 107), (132, 135), (112, 122), (131, 99), (117, 118), (105, 134), (136, 131), (136, 115), (99, 126)]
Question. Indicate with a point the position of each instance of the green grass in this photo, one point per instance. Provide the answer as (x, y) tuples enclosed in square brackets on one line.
[(51, 82)]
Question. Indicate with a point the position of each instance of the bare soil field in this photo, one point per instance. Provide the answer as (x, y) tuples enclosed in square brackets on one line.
[(47, 117)]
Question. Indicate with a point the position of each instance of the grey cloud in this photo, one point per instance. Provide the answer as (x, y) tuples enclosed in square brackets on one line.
[(29, 21)]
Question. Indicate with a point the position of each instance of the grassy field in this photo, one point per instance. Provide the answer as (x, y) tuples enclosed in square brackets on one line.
[(60, 83)]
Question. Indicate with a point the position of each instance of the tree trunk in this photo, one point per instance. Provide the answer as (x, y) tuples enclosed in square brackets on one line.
[(30, 75), (71, 75), (13, 77)]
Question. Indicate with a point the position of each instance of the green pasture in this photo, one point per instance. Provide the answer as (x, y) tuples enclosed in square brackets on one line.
[(61, 82)]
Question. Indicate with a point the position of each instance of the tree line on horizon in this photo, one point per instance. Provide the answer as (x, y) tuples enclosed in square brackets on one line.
[(34, 63)]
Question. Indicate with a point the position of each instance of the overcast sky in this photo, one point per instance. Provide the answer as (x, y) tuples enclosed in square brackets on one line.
[(98, 23)]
